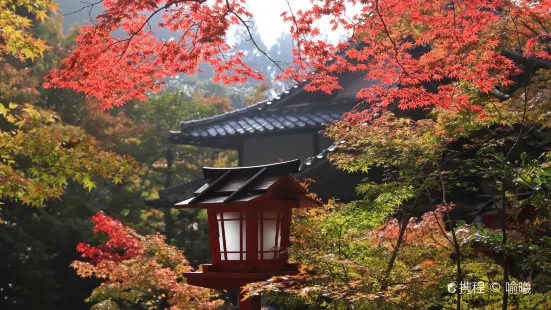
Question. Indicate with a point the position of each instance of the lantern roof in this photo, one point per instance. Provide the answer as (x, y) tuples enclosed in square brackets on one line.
[(246, 184)]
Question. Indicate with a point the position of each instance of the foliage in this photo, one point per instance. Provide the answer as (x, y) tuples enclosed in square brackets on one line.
[(40, 242), (345, 262), (355, 255), (257, 95), (140, 271), (445, 63), (57, 153), (15, 37), (464, 41), (39, 154), (185, 228), (96, 45), (158, 116), (42, 161), (17, 85)]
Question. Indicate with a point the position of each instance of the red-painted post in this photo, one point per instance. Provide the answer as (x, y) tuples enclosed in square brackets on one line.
[(251, 303)]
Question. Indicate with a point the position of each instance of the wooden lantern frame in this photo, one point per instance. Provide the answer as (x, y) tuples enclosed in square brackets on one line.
[(252, 255), (249, 193)]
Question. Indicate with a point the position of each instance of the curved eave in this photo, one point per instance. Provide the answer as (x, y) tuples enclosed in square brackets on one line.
[(282, 168), (221, 142), (231, 141), (304, 201), (279, 99)]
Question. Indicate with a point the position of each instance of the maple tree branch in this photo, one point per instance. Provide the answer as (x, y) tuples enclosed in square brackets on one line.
[(438, 221), (404, 221), (539, 22), (299, 48), (530, 28), (525, 107), (355, 24), (403, 226), (251, 38), (146, 22), (149, 167), (436, 242), (387, 33), (195, 37), (343, 267), (454, 17), (396, 53), (89, 5), (498, 112), (505, 298), (454, 237)]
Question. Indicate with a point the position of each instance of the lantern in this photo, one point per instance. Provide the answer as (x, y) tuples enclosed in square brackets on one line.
[(249, 216)]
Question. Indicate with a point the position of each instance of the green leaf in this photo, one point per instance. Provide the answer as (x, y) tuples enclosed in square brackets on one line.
[(523, 157)]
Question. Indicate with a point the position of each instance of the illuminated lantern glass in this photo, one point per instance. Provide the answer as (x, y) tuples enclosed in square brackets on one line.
[(269, 230), (269, 234), (232, 235)]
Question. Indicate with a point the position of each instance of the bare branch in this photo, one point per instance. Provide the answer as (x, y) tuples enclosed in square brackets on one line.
[(247, 27), (89, 5)]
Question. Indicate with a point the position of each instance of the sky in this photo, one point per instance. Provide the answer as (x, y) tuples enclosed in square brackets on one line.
[(269, 22), (266, 13)]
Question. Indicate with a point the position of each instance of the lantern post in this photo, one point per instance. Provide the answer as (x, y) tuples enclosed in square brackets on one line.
[(249, 215)]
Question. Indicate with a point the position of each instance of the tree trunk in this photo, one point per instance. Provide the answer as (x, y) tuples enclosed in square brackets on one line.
[(503, 243), (403, 227)]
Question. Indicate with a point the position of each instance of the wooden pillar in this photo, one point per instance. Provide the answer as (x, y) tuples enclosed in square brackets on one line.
[(251, 303)]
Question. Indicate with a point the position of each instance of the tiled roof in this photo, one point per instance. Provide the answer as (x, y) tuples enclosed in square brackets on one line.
[(321, 157), (330, 181), (278, 114), (268, 116), (249, 121)]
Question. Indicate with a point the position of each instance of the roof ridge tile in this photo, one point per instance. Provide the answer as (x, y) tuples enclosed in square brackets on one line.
[(291, 89)]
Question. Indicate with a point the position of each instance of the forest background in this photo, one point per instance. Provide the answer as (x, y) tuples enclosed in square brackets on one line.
[(485, 122), (39, 242)]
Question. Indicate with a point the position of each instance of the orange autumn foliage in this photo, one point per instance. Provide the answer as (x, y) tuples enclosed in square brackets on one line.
[(394, 42), (135, 265)]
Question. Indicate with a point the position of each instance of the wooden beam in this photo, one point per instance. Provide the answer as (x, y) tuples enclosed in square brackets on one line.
[(209, 188), (245, 185)]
